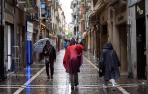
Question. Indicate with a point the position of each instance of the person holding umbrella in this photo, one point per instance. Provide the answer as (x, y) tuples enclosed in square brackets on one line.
[(49, 54), (72, 61)]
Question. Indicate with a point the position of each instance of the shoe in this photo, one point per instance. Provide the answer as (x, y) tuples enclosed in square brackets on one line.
[(114, 88), (76, 84), (48, 77), (104, 86), (51, 77), (72, 87)]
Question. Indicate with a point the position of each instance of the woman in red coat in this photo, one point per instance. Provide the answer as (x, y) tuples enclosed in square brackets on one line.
[(72, 61)]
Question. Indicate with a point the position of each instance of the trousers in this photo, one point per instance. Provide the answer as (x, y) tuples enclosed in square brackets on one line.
[(74, 79), (51, 68)]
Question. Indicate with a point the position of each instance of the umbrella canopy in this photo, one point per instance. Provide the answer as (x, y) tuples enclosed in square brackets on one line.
[(39, 45)]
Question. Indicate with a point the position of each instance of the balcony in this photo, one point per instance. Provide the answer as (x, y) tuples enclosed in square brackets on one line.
[(118, 3), (88, 0), (27, 5), (74, 2), (95, 2), (36, 17), (11, 2), (21, 1), (99, 4), (48, 2), (82, 18)]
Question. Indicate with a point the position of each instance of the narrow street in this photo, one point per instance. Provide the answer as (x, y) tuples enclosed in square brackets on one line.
[(34, 81), (112, 33)]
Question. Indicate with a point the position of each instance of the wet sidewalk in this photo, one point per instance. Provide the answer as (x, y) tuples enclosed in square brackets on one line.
[(131, 86), (33, 80)]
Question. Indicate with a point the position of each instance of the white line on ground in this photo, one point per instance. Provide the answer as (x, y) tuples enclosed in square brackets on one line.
[(67, 86), (29, 81), (119, 87), (38, 63), (41, 85), (92, 64)]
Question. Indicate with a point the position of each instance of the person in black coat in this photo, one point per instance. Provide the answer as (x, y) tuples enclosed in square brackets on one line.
[(49, 54), (109, 64)]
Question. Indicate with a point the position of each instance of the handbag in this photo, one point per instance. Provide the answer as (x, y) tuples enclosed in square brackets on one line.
[(47, 57)]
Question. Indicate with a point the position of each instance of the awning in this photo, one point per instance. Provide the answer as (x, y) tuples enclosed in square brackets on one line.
[(84, 35)]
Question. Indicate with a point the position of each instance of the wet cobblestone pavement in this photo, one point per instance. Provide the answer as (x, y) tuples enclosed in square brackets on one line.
[(33, 80)]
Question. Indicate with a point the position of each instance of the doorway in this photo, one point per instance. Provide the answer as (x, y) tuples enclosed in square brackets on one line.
[(141, 48), (2, 69), (122, 29)]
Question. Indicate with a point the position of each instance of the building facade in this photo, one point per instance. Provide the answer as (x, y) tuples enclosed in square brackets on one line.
[(138, 34), (108, 21), (75, 5), (22, 23), (124, 24), (9, 33)]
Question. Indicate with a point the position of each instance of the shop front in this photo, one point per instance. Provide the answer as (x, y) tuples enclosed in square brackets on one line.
[(141, 40), (2, 74)]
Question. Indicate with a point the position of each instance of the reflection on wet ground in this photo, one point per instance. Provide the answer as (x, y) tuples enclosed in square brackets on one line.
[(33, 80)]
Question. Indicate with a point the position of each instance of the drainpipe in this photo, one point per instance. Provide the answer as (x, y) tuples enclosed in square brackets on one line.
[(130, 68)]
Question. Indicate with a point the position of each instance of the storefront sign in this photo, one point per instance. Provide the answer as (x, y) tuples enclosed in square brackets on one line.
[(9, 13), (29, 27), (29, 30), (9, 18), (84, 35), (121, 18), (140, 9)]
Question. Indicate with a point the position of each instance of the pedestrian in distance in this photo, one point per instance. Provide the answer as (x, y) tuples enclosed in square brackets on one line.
[(65, 43), (72, 62), (49, 54), (109, 65)]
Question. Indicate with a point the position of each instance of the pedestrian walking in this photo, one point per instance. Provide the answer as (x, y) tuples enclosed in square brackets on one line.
[(72, 61), (109, 64), (49, 54)]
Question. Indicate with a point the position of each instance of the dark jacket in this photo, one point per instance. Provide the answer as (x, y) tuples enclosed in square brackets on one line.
[(49, 51), (110, 63)]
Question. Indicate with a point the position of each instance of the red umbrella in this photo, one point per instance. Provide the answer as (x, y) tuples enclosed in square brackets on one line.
[(72, 58)]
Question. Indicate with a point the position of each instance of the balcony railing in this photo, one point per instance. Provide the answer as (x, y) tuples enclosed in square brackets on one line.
[(99, 4), (118, 3), (26, 4)]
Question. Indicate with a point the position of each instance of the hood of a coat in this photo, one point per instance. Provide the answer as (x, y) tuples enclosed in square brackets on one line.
[(108, 46)]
